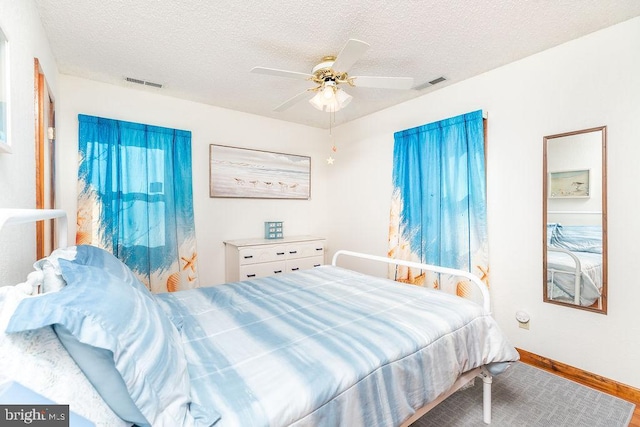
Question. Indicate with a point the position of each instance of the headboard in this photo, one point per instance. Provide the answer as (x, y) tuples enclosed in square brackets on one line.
[(24, 216)]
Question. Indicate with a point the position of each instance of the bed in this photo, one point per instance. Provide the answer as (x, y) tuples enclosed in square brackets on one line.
[(321, 347), (574, 264)]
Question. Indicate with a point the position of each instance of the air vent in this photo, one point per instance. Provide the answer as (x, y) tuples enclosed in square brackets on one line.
[(436, 81), (431, 83), (132, 80), (142, 82)]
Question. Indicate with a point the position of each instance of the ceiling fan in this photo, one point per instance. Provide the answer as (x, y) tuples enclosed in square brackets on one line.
[(330, 73)]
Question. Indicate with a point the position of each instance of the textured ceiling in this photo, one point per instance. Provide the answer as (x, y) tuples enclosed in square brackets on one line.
[(204, 50)]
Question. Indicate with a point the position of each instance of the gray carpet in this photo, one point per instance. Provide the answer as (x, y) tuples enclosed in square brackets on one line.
[(528, 396)]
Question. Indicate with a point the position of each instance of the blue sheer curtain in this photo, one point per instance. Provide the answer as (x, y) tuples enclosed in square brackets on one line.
[(438, 209), (135, 199)]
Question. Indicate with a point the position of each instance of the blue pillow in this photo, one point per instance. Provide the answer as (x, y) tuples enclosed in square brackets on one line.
[(98, 257), (97, 365), (84, 255), (105, 312)]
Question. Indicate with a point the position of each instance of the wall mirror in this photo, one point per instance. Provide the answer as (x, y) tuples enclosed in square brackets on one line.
[(575, 219)]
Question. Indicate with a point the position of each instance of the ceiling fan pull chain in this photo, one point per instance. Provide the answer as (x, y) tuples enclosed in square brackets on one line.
[(332, 117), (332, 120)]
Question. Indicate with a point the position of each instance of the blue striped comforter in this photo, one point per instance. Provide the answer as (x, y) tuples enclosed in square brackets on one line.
[(327, 347)]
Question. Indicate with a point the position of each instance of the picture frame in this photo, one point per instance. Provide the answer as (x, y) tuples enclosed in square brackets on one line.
[(247, 173), (569, 184), (5, 105)]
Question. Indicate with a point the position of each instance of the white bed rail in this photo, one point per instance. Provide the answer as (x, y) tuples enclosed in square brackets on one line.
[(24, 216), (577, 273), (486, 300)]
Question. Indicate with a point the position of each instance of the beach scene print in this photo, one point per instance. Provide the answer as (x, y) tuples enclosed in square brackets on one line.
[(569, 183), (241, 172)]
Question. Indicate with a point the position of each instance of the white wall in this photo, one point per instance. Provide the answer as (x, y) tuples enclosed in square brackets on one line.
[(216, 219), (588, 82), (20, 22)]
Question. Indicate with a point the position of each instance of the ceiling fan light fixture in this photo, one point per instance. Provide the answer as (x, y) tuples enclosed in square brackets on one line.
[(329, 89), (343, 98), (336, 100)]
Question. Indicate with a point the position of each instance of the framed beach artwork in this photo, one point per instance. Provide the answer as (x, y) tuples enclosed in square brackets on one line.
[(5, 142), (246, 173), (569, 184)]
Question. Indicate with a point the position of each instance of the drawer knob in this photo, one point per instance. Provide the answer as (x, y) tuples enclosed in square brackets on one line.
[(279, 253), (248, 256), (317, 265), (251, 275), (319, 249), (293, 252), (295, 269), (277, 271)]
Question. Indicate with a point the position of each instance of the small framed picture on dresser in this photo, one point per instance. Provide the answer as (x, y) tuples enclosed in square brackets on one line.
[(244, 173)]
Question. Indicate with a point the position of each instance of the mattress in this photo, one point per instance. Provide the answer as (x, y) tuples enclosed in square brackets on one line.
[(563, 276), (328, 346)]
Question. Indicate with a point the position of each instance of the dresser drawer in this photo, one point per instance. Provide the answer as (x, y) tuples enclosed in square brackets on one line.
[(252, 258), (304, 263), (258, 254), (253, 271), (305, 249)]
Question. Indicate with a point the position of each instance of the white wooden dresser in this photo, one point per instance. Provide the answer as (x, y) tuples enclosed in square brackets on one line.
[(252, 258)]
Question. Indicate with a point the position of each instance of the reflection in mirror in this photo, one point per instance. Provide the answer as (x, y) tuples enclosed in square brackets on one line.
[(575, 217)]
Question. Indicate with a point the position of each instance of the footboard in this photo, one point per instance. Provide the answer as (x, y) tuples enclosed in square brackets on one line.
[(466, 377), (573, 278), (486, 301), (576, 273)]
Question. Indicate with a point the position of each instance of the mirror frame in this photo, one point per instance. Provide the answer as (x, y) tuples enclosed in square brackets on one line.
[(545, 192)]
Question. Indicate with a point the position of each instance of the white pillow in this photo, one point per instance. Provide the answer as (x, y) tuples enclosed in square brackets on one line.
[(48, 269), (37, 360)]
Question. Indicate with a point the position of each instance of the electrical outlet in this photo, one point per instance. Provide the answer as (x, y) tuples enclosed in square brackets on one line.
[(523, 319), (523, 325)]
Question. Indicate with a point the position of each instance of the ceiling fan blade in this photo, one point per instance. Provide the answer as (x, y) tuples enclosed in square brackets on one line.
[(288, 103), (281, 73), (349, 55), (383, 82)]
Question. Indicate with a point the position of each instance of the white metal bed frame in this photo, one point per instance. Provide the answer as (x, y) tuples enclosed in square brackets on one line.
[(466, 377), (576, 273), (24, 216)]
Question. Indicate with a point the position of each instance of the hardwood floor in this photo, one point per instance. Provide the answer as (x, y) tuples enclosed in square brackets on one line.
[(635, 420), (588, 379)]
